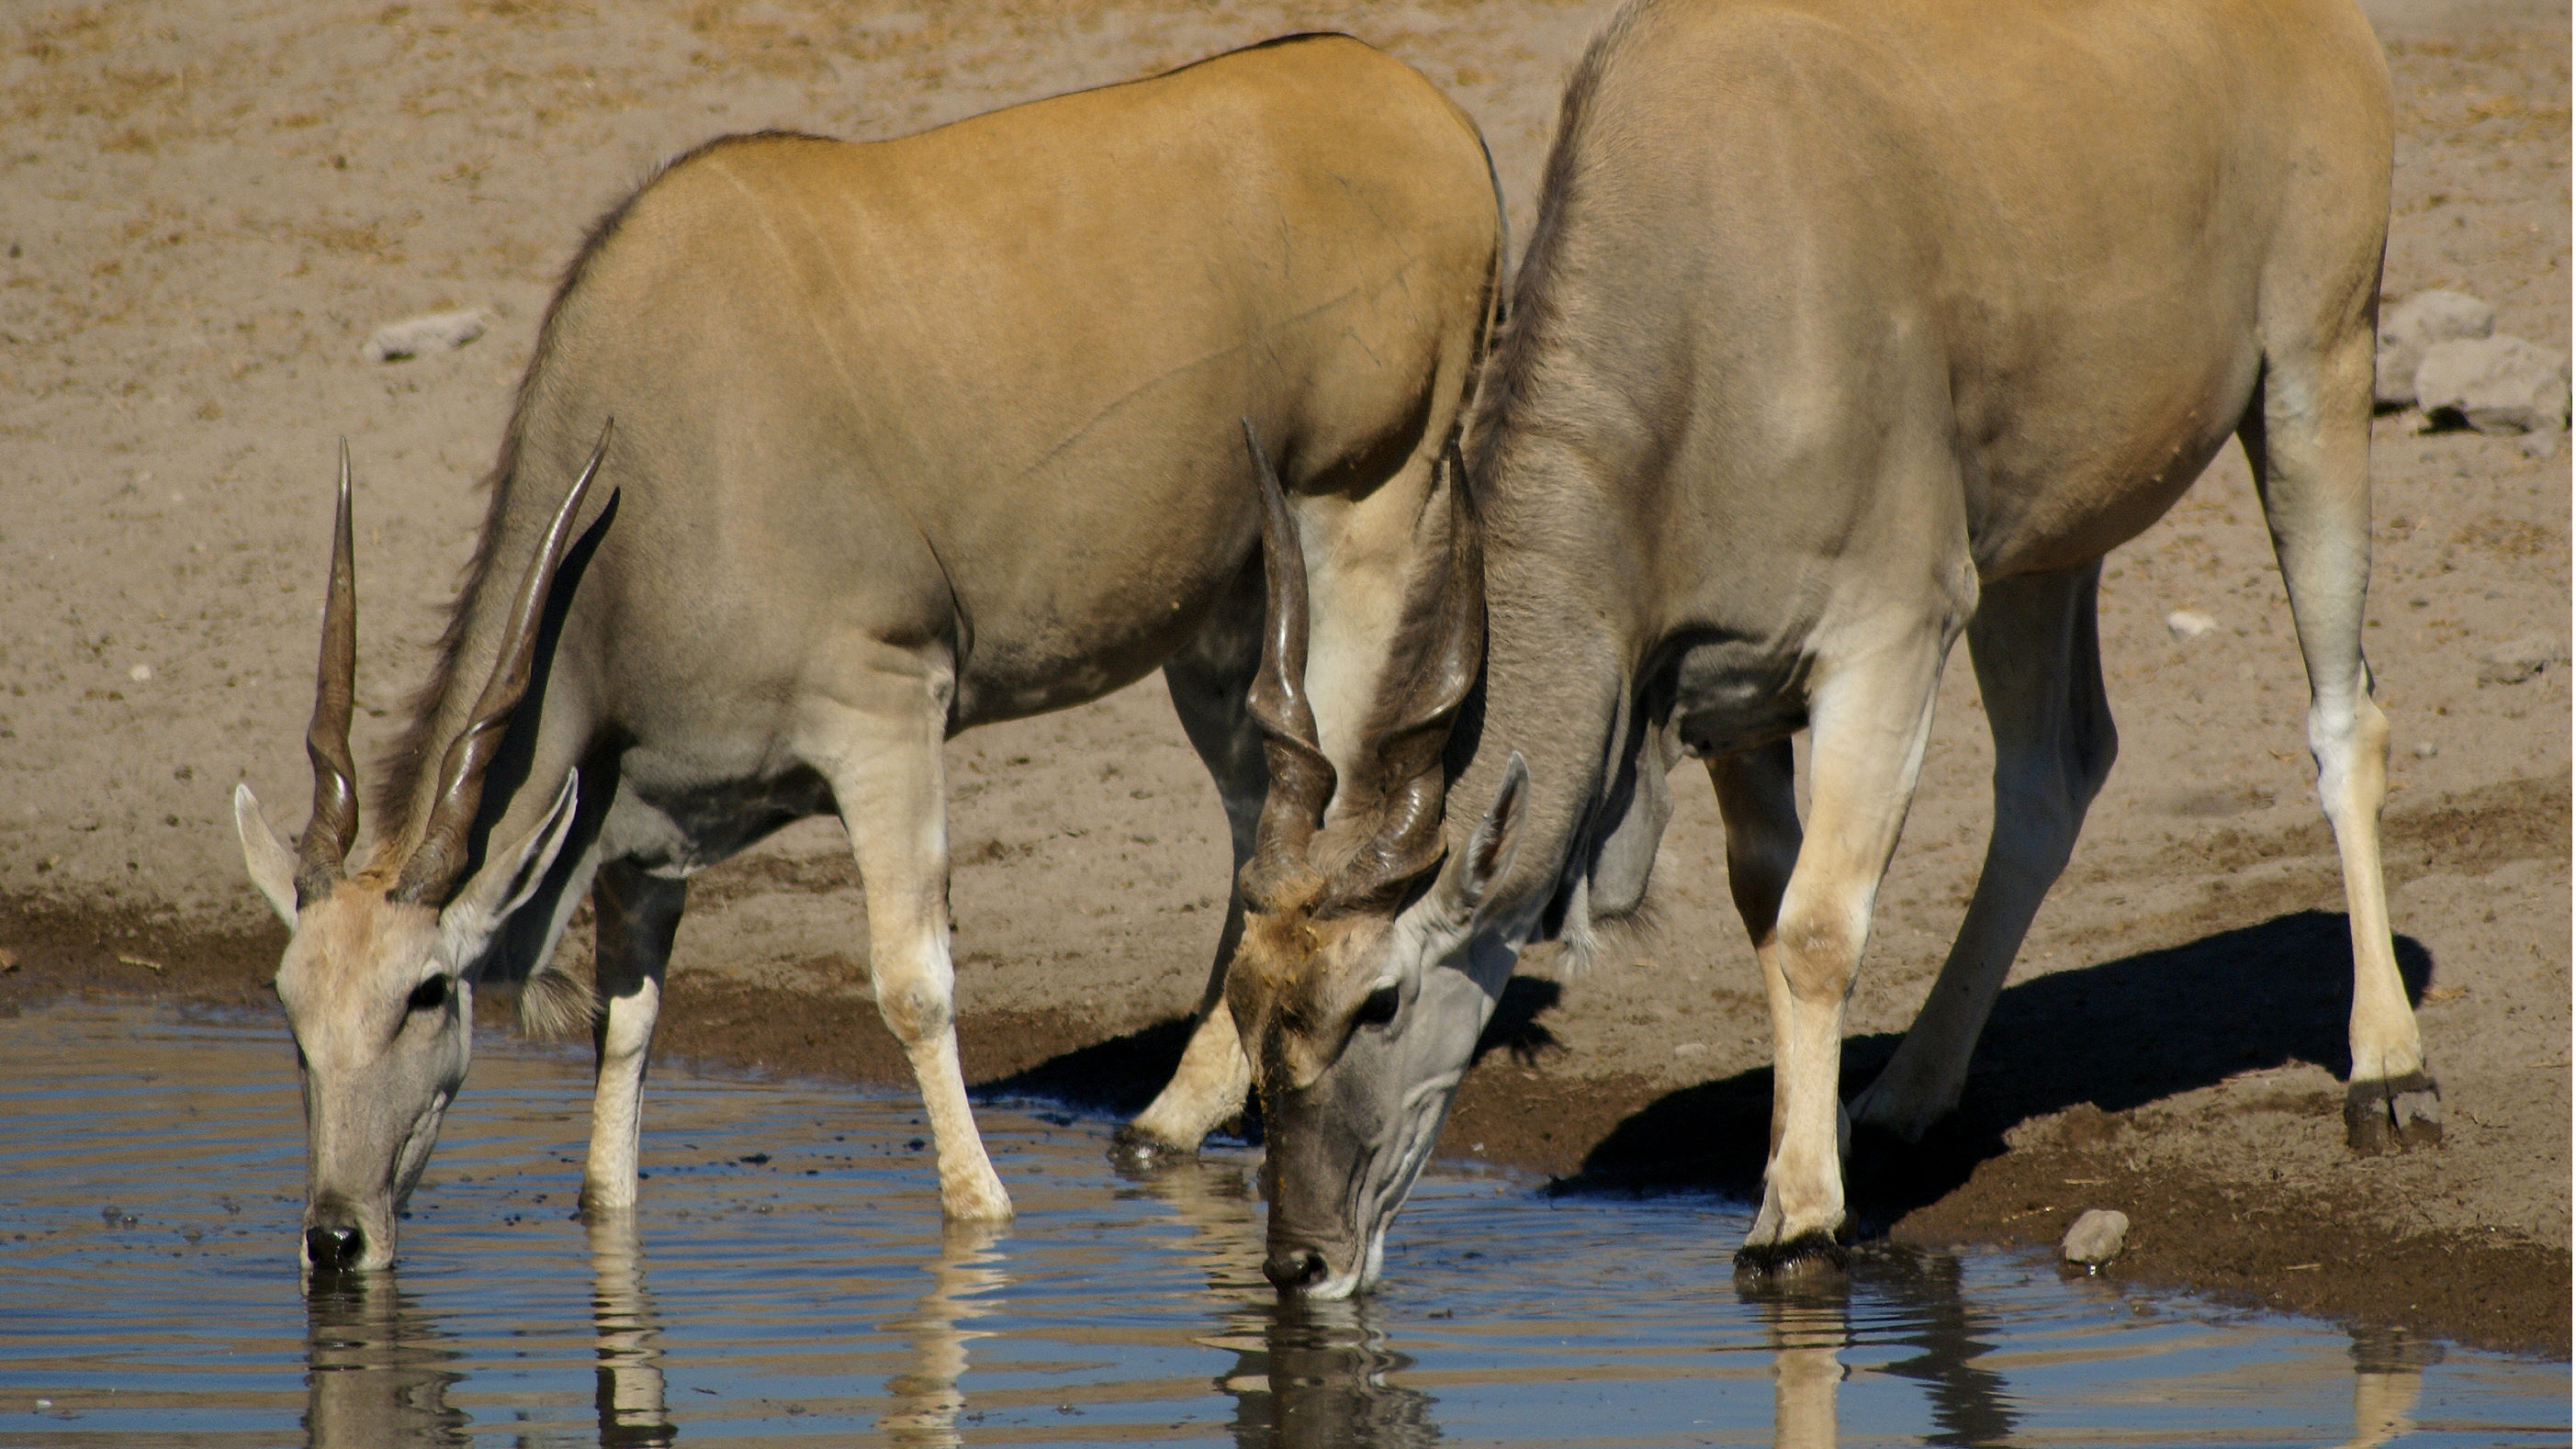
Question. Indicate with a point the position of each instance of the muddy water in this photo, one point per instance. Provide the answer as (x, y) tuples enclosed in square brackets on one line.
[(787, 1280)]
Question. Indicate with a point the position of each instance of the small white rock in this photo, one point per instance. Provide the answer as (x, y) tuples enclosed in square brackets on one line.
[(437, 332), (2409, 329), (2427, 750), (2096, 1238), (2495, 385), (139, 673), (1691, 1049), (2189, 623)]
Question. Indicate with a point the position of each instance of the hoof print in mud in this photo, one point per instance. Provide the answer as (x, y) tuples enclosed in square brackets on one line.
[(1809, 1255), (2393, 1115)]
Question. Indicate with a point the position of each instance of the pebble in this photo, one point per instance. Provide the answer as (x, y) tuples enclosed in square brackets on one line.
[(2189, 623), (2427, 750), (2097, 1237), (139, 673), (2412, 327), (2495, 385), (437, 332)]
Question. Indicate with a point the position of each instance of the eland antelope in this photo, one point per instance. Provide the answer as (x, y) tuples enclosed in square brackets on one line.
[(909, 436), (1847, 326)]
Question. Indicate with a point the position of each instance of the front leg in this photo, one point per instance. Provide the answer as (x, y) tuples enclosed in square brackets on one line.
[(637, 914), (1872, 712), (878, 740)]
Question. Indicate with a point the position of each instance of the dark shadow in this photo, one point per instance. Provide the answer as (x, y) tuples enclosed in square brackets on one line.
[(1515, 1027), (2117, 1035), (1118, 1077)]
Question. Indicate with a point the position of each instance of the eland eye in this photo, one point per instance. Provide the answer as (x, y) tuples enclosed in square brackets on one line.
[(430, 994), (1378, 1009)]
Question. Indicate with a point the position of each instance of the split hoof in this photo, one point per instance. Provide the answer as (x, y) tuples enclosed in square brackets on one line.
[(1804, 1258), (2393, 1114), (1134, 1152)]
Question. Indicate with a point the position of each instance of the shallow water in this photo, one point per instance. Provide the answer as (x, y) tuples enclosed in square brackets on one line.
[(787, 1280)]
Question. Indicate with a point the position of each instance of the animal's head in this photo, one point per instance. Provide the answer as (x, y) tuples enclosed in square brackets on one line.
[(1359, 987), (374, 978)]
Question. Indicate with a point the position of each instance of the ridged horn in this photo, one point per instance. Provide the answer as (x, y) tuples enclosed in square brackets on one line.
[(1443, 634), (1301, 778), (429, 875), (324, 850)]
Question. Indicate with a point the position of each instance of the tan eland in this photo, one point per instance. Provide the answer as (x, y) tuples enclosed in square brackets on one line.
[(909, 437), (1848, 326)]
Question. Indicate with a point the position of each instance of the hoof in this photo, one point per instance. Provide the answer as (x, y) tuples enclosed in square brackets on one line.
[(971, 1201), (1808, 1256), (2393, 1114), (1134, 1152)]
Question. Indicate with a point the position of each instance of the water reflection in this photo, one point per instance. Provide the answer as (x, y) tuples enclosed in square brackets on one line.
[(963, 1282), (2388, 1377), (1808, 1331), (376, 1368), (633, 1412), (1319, 1377), (1968, 1402)]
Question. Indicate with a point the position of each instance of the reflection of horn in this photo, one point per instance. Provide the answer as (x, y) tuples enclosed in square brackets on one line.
[(1301, 778), (927, 1400), (632, 1411), (1320, 1378), (325, 846), (374, 1370), (1807, 1335), (434, 864)]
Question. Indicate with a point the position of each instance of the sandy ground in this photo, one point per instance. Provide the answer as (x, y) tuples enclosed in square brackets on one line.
[(206, 208)]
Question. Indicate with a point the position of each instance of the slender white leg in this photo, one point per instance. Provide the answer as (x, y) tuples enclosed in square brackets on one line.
[(1870, 714), (877, 740), (2308, 437), (1207, 682), (637, 916)]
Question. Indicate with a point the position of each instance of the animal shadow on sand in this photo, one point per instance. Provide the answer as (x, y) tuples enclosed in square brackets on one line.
[(2116, 1035), (1118, 1077)]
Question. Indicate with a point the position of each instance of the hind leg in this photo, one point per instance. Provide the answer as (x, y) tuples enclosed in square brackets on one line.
[(2039, 671), (638, 914), (2308, 437), (1208, 681), (875, 732)]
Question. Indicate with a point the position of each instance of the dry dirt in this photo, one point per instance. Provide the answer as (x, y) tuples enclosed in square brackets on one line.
[(205, 208)]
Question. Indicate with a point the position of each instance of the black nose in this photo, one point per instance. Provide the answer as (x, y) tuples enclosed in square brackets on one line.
[(1294, 1268), (334, 1247)]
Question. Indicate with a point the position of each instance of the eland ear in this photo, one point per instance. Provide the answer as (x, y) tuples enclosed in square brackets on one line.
[(1491, 846), (272, 865), (508, 878)]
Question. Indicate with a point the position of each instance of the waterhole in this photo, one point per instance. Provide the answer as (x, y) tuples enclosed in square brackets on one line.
[(787, 1280)]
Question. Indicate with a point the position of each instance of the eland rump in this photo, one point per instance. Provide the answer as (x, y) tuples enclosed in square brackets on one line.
[(1846, 327), (909, 436)]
